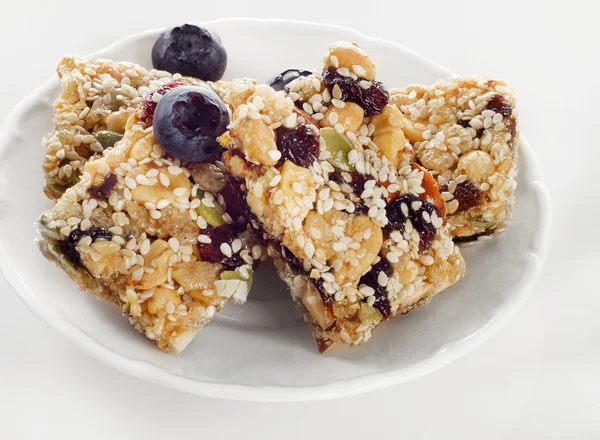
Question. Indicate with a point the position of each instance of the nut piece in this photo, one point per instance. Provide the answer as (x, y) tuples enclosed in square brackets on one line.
[(142, 148), (296, 183), (354, 267), (388, 134), (197, 275), (116, 121), (352, 57), (436, 160), (350, 117), (477, 165), (257, 140), (161, 298), (143, 193)]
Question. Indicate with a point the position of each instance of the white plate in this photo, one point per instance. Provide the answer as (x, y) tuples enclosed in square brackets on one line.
[(263, 350)]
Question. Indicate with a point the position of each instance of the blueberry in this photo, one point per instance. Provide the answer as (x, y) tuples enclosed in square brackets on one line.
[(287, 76), (190, 50), (187, 122)]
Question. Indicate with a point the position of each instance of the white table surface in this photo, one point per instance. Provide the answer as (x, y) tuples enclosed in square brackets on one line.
[(537, 378)]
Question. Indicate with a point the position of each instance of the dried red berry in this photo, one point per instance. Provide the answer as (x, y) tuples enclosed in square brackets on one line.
[(382, 304), (498, 104), (373, 100), (103, 190), (212, 251), (299, 144), (466, 194), (69, 245), (398, 215), (235, 200)]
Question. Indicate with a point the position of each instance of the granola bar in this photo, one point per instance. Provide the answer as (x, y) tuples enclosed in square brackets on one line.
[(98, 96), (465, 133), (153, 235), (357, 231)]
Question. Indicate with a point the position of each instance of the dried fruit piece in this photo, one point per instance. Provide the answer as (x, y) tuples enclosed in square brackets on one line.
[(103, 190), (299, 145), (373, 99), (371, 279), (499, 104), (402, 209), (69, 245), (221, 238), (467, 194)]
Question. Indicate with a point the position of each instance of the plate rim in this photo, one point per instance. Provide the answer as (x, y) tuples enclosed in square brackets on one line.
[(279, 393)]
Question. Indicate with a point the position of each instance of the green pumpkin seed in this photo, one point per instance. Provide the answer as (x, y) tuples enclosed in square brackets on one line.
[(107, 138), (338, 148)]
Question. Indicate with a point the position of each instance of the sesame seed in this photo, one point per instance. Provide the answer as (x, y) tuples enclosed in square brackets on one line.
[(155, 214), (179, 192), (343, 71), (404, 209), (365, 85), (225, 250), (236, 245), (174, 244), (275, 180), (275, 154), (174, 170), (290, 121), (427, 260), (202, 238), (131, 184), (145, 247), (337, 103)]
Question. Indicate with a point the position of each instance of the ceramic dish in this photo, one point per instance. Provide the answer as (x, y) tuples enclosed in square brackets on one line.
[(262, 350)]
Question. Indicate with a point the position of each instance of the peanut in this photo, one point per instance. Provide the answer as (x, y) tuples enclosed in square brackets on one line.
[(161, 298), (350, 55), (477, 165), (257, 140), (159, 275), (371, 245), (388, 134), (350, 117)]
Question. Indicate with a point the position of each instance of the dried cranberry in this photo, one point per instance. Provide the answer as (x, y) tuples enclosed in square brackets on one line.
[(466, 194), (103, 190), (212, 251), (299, 144), (373, 100), (397, 218), (148, 104), (235, 200), (498, 104), (357, 183), (69, 245), (370, 279)]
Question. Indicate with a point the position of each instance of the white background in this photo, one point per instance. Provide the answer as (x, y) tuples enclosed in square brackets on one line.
[(537, 378)]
